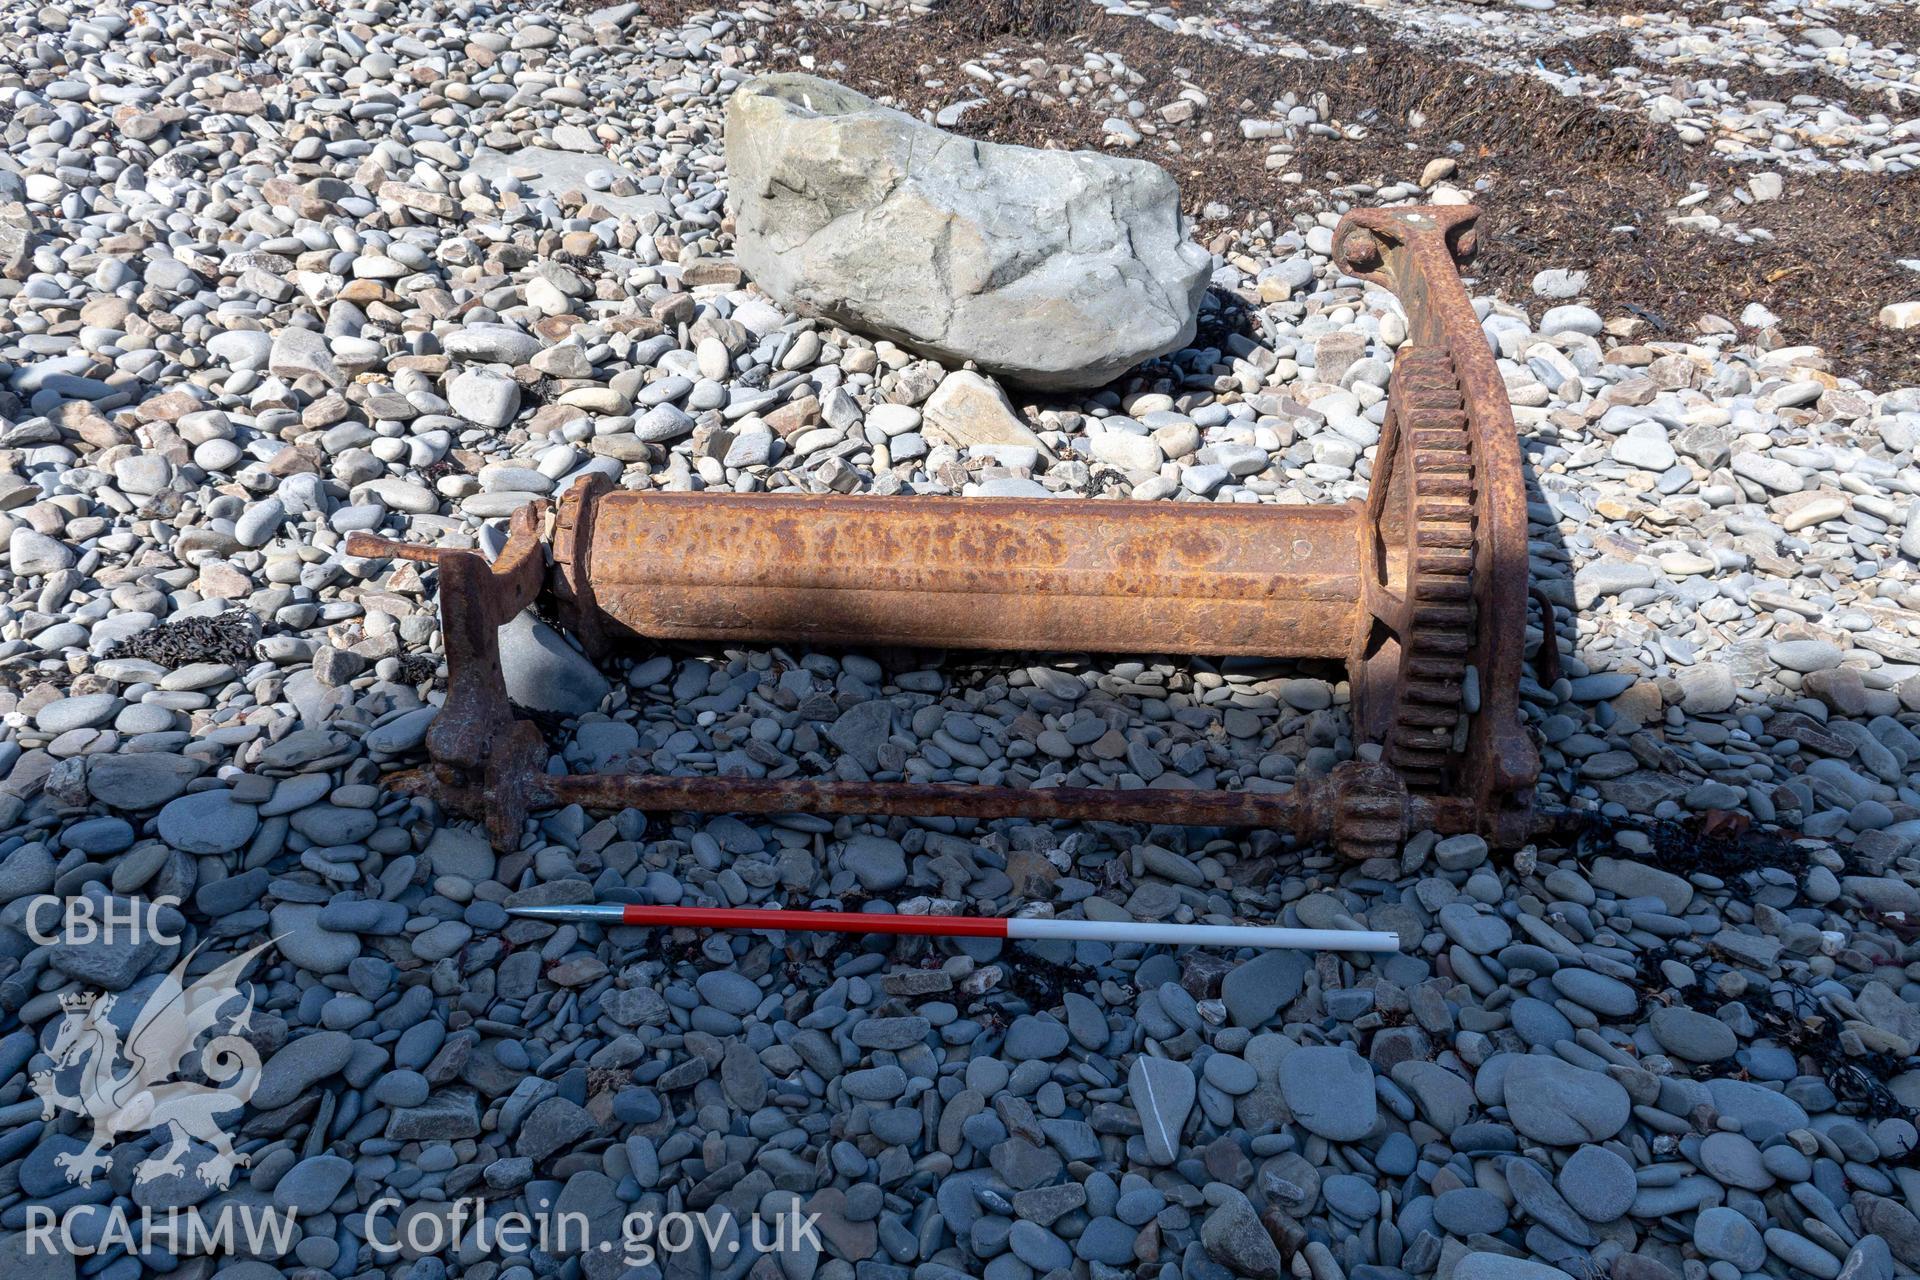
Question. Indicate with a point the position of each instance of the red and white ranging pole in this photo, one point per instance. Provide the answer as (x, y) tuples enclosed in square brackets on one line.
[(1017, 928)]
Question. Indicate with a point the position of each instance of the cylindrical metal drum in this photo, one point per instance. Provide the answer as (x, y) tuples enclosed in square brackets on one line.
[(972, 573)]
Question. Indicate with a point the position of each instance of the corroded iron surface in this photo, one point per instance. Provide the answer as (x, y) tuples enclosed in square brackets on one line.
[(1422, 590), (968, 573)]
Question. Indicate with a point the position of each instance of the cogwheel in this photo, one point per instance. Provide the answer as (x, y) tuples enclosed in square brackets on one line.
[(1422, 601), (1369, 810)]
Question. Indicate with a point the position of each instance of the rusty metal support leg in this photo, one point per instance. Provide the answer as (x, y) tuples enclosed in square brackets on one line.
[(1423, 591), (481, 752)]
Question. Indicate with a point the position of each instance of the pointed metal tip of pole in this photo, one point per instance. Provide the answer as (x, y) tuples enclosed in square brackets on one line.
[(575, 912)]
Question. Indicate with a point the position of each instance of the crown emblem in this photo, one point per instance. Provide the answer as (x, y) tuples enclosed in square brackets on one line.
[(78, 1001)]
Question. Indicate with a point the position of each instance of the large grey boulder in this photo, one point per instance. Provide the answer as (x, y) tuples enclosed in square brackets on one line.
[(1054, 269)]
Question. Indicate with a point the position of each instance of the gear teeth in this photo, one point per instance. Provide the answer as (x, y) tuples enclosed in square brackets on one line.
[(1408, 758), (1453, 562), (1437, 692), (1444, 647), (1455, 617), (1370, 809), (1437, 445)]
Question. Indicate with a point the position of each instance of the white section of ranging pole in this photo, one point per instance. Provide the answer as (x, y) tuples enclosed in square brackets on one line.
[(1202, 935)]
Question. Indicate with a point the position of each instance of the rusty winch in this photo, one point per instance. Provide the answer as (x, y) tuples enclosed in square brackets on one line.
[(1422, 591)]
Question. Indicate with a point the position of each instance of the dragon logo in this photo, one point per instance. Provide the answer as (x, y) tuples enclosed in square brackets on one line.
[(126, 1085)]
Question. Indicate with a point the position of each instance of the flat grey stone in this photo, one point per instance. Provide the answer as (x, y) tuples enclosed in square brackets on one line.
[(862, 730), (877, 863), (111, 963), (485, 397), (1255, 990), (728, 991), (892, 1034), (1163, 1093), (313, 1184), (491, 343), (1106, 1240), (298, 1065), (1597, 1183), (1629, 879), (1023, 1164), (140, 780), (444, 1117), (1692, 1036), (1445, 1099), (1801, 1254), (84, 711), (1479, 932), (1498, 1266), (1233, 1233), (1534, 1195), (1733, 1160), (298, 353), (303, 940), (1330, 1091), (208, 822), (31, 553), (1763, 1113), (1597, 992), (1032, 1036), (552, 1125), (1805, 655), (25, 1256), (1560, 1104), (545, 673), (1352, 1197), (1469, 1210), (461, 851), (1727, 1235)]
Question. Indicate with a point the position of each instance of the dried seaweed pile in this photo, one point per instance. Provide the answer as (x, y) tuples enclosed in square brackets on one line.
[(1566, 181), (226, 637)]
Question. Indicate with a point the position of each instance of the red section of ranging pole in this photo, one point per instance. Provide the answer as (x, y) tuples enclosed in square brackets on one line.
[(822, 921)]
